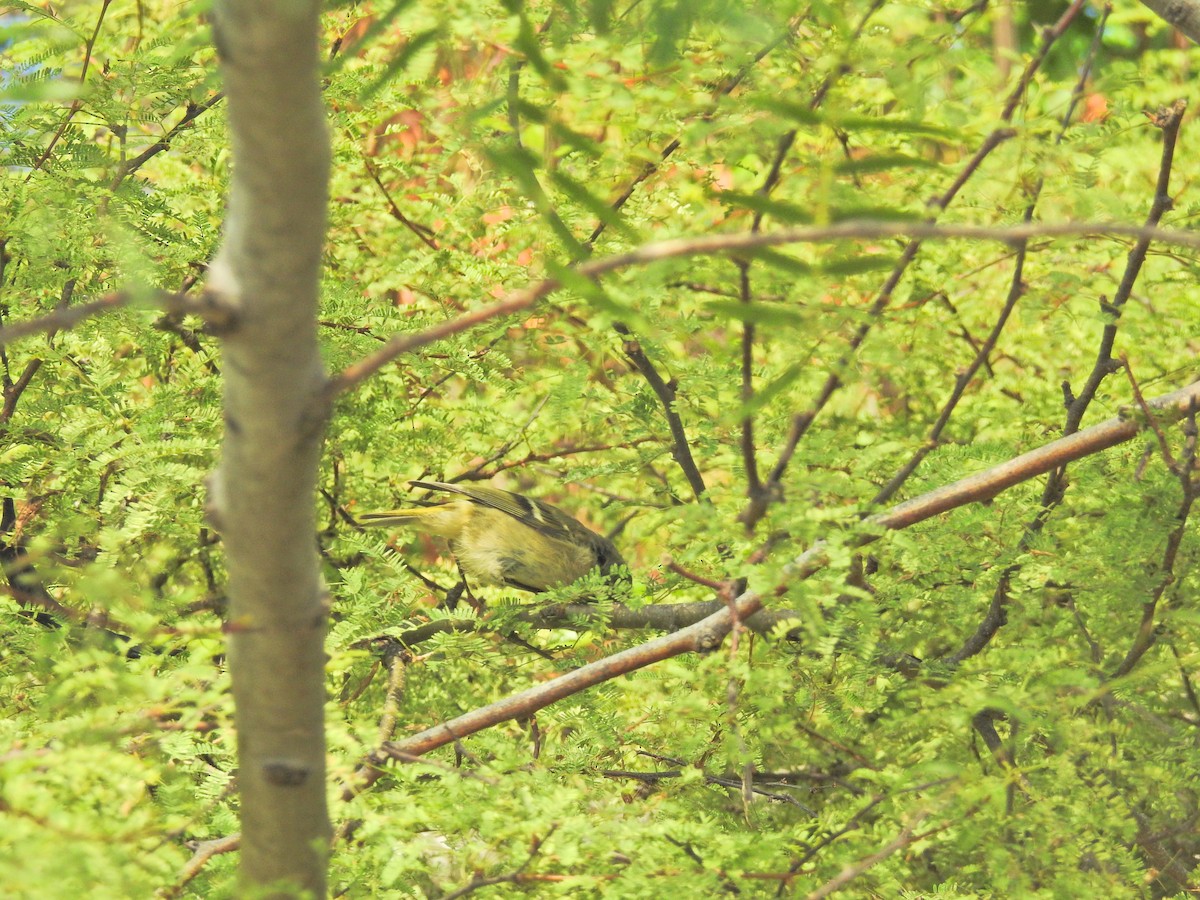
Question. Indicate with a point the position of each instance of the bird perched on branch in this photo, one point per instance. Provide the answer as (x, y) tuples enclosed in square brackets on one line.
[(499, 537)]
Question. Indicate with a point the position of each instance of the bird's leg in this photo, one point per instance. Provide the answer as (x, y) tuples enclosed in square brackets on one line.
[(450, 601), (463, 589)]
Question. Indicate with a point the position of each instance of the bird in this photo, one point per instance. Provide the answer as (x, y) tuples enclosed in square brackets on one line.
[(499, 537)]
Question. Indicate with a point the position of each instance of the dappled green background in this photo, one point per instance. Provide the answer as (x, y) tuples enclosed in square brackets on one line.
[(501, 137)]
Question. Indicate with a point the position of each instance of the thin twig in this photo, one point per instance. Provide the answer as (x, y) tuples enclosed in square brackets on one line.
[(906, 836), (1170, 122), (205, 850), (514, 877), (756, 495), (726, 88), (1015, 292), (1056, 484), (853, 823), (964, 378), (14, 390), (704, 636), (76, 104), (479, 474), (191, 112), (802, 421), (655, 777), (664, 390), (424, 234), (505, 448), (707, 634), (681, 449), (1146, 636), (1163, 447)]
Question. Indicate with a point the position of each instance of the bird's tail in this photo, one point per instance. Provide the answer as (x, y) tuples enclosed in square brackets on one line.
[(394, 516)]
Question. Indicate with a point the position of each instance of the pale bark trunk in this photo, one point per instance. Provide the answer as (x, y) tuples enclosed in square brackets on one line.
[(268, 270), (1183, 14)]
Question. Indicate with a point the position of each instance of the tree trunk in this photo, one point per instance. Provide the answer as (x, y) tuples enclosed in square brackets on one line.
[(267, 272)]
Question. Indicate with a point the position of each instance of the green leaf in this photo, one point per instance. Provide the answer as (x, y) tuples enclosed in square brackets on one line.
[(594, 293), (782, 210), (760, 313), (885, 213), (42, 90), (670, 23), (379, 26), (857, 265), (597, 206), (803, 114), (529, 44), (522, 166), (565, 134), (399, 63), (884, 162), (779, 260)]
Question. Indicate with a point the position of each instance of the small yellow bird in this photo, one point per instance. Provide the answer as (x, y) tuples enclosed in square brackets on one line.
[(499, 537)]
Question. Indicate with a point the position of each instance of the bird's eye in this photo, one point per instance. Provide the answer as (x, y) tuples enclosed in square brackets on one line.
[(607, 557)]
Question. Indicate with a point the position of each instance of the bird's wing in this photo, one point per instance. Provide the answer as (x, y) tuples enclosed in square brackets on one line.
[(537, 515)]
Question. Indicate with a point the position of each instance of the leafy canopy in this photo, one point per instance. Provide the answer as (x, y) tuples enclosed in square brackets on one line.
[(480, 147)]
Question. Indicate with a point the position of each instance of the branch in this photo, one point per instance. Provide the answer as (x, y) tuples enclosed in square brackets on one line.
[(1056, 484), (974, 488), (203, 852), (14, 390), (852, 871), (514, 877), (76, 104), (1146, 636), (964, 378), (1181, 14), (191, 112), (424, 234), (403, 343), (980, 487), (666, 391), (656, 617), (1105, 365), (1049, 36), (705, 636), (681, 450), (218, 315), (729, 244), (482, 473), (757, 782), (1015, 292), (754, 488), (986, 485), (726, 88), (803, 421)]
